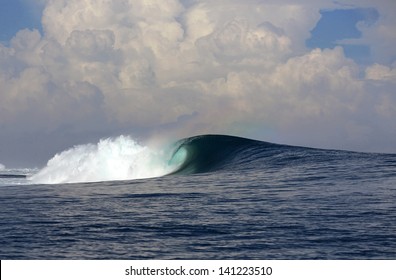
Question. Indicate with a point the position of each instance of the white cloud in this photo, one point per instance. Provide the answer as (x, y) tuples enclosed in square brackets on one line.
[(381, 73), (202, 67)]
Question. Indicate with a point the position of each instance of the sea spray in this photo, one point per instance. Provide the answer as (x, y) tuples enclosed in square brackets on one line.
[(120, 158)]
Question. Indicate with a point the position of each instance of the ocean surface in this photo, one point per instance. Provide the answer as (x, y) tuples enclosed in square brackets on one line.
[(220, 197)]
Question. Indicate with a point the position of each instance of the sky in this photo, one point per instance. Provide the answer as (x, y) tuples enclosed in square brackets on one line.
[(312, 73)]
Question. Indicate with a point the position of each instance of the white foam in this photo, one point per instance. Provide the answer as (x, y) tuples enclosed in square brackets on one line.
[(2, 167), (120, 158)]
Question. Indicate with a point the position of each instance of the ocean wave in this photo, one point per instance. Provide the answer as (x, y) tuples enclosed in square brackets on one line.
[(122, 158)]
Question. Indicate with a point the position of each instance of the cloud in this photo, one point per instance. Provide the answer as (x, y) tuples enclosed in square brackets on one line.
[(380, 72), (187, 67)]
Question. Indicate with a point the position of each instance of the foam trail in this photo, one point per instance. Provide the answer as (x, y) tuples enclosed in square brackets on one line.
[(121, 158)]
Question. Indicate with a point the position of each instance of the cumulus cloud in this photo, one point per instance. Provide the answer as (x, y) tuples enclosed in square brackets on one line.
[(381, 73), (189, 67)]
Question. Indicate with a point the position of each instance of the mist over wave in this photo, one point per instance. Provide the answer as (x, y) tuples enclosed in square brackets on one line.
[(120, 158)]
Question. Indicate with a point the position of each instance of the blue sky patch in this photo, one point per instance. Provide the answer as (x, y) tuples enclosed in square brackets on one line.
[(336, 25), (16, 15)]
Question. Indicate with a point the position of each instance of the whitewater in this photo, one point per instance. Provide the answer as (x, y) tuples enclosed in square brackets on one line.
[(202, 197), (121, 158)]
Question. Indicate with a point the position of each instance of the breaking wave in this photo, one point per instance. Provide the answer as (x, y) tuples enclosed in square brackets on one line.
[(121, 158)]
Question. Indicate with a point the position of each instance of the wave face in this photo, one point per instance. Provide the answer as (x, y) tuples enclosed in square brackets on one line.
[(208, 153)]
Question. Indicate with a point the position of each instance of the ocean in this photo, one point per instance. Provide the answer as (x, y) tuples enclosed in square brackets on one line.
[(221, 197)]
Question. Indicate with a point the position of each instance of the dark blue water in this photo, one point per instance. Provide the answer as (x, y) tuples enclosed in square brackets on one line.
[(232, 198)]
